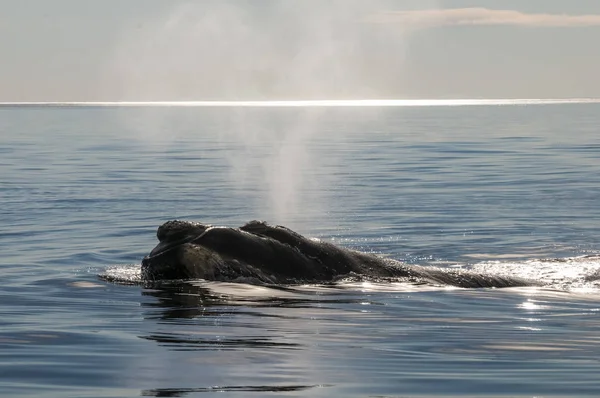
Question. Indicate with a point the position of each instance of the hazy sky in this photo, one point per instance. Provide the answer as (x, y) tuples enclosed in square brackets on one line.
[(111, 50)]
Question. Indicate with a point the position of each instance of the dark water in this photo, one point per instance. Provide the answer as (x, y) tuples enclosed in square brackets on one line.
[(509, 189)]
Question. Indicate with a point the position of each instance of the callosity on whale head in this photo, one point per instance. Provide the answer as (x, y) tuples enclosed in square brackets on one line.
[(175, 256)]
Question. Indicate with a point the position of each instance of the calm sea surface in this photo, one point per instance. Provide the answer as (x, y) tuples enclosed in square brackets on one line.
[(510, 189)]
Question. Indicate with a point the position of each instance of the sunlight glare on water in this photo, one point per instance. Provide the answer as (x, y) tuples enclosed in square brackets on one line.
[(575, 273)]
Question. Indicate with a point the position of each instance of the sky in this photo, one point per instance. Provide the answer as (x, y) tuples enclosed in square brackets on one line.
[(156, 50)]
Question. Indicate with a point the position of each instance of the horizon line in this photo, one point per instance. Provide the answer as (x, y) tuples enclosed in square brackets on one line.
[(310, 103)]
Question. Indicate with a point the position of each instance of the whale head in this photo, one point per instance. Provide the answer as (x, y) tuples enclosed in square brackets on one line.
[(176, 256)]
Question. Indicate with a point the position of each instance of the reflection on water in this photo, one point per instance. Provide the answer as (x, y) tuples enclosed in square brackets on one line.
[(179, 392), (376, 341), (181, 300)]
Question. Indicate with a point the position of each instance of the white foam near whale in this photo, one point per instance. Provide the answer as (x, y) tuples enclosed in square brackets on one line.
[(123, 274)]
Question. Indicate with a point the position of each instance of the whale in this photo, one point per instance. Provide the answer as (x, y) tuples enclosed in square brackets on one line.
[(260, 253)]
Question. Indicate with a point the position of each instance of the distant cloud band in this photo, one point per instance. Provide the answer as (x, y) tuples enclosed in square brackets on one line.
[(482, 16)]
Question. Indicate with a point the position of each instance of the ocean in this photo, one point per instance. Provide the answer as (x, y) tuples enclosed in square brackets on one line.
[(507, 187)]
